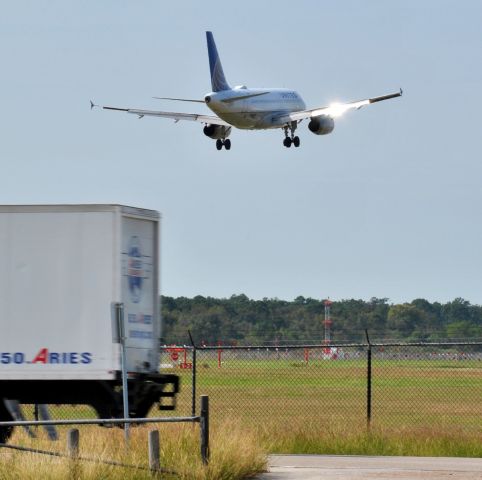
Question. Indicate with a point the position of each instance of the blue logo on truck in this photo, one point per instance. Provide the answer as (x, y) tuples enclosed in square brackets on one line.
[(135, 271)]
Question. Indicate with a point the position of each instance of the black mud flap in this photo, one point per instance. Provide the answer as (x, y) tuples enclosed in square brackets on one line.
[(170, 391), (154, 388)]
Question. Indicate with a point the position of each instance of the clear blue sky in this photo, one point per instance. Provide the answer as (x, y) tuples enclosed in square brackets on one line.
[(388, 205)]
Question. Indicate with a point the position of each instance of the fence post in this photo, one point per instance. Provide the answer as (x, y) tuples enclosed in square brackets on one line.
[(204, 427), (369, 381), (73, 452), (73, 443), (154, 451)]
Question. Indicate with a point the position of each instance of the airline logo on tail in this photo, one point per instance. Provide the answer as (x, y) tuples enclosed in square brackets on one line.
[(218, 80)]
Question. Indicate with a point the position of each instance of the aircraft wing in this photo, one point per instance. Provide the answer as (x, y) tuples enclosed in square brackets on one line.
[(193, 117), (336, 109)]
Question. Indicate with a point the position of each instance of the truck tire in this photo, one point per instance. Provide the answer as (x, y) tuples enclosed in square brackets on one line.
[(5, 432)]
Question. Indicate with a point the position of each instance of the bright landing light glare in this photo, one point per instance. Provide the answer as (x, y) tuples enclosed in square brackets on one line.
[(338, 109)]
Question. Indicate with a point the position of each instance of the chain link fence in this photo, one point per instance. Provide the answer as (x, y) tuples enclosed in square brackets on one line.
[(386, 385)]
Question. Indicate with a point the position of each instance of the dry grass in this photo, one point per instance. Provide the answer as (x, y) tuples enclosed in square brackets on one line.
[(238, 450), (235, 454), (346, 439)]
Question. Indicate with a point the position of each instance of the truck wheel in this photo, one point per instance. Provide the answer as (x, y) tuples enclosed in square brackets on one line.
[(5, 432)]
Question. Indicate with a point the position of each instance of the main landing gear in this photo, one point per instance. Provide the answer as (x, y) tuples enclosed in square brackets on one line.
[(290, 138), (226, 143)]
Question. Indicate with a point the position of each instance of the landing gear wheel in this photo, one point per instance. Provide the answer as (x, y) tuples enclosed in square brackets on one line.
[(227, 144), (290, 139), (219, 144)]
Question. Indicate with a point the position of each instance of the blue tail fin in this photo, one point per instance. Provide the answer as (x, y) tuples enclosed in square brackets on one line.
[(218, 81)]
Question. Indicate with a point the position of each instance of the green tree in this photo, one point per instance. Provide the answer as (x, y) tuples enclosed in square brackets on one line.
[(463, 330), (403, 319)]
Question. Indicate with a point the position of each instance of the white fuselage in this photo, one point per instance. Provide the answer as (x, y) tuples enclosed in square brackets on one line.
[(257, 108)]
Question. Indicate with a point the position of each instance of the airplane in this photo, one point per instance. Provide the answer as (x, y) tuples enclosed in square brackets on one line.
[(253, 108)]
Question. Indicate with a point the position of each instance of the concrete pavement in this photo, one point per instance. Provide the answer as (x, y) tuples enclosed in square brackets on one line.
[(341, 467)]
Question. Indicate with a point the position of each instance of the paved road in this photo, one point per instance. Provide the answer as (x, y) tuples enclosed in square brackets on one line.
[(341, 467)]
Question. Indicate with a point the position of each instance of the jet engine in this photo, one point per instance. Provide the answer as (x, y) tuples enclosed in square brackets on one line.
[(216, 131), (321, 125)]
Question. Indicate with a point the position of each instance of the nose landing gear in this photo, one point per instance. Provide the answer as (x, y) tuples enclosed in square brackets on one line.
[(290, 138), (226, 143)]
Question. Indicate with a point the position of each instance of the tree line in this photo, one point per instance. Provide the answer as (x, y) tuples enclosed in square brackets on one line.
[(240, 320)]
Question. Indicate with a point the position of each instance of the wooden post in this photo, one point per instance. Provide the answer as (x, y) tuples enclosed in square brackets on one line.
[(73, 443), (204, 426), (75, 471), (154, 451)]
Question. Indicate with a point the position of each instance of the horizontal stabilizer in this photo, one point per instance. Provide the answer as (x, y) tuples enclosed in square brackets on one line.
[(243, 97)]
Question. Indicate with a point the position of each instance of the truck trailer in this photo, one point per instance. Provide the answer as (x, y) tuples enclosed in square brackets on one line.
[(64, 270)]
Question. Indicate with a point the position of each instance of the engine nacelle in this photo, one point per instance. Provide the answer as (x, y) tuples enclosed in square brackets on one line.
[(216, 131), (321, 125)]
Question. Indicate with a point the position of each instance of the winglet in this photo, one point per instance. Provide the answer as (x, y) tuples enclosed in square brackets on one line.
[(218, 80)]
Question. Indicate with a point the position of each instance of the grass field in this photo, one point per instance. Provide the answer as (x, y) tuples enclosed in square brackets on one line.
[(409, 394), (418, 407)]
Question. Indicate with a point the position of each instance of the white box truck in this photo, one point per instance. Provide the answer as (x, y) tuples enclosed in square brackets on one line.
[(62, 270)]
